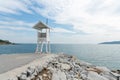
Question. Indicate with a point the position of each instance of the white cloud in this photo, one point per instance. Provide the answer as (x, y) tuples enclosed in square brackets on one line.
[(89, 16), (27, 26), (61, 30), (16, 28), (14, 24), (13, 6), (97, 18), (15, 36)]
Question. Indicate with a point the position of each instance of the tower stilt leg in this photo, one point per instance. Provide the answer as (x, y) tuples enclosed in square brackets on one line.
[(37, 47), (46, 47), (41, 47), (49, 47)]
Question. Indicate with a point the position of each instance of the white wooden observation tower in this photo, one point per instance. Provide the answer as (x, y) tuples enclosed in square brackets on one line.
[(43, 33)]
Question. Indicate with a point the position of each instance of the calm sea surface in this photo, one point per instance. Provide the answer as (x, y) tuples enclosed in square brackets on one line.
[(102, 55)]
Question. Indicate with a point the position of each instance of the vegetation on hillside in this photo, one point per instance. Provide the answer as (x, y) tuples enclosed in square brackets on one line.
[(2, 42), (112, 42)]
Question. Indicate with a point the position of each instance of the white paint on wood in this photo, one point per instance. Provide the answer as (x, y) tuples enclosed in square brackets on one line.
[(43, 37)]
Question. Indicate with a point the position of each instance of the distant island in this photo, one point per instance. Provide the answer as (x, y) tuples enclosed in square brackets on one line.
[(5, 42), (112, 42)]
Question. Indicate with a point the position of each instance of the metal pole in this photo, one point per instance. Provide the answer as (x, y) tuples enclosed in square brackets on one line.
[(47, 21)]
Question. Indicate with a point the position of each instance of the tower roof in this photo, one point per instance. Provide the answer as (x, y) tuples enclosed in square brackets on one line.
[(40, 25)]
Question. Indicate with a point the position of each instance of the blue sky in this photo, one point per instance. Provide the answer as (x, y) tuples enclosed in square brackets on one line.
[(73, 21)]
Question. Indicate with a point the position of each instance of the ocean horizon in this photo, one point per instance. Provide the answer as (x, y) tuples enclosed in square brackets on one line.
[(97, 54)]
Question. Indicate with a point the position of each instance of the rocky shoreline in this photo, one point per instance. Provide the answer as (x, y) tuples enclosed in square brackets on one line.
[(64, 67)]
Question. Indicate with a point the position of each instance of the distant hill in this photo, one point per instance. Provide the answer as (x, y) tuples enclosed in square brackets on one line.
[(3, 42), (112, 42)]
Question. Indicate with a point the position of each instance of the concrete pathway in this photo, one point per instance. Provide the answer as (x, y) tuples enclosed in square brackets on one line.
[(12, 61)]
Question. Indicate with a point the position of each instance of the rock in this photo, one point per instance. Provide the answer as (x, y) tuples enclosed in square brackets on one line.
[(61, 77), (95, 76), (44, 75), (39, 68), (110, 77), (94, 70), (86, 64), (22, 77), (84, 74), (40, 77), (65, 66), (103, 69)]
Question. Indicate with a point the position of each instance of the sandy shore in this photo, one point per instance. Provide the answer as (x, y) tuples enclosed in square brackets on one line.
[(12, 61)]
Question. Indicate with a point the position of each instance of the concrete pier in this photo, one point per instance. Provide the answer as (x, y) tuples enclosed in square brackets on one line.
[(12, 61)]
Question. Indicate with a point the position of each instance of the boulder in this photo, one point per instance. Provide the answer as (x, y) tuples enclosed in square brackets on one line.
[(58, 75), (103, 69), (65, 66), (95, 76)]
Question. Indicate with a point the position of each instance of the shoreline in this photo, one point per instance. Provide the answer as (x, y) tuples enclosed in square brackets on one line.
[(55, 65)]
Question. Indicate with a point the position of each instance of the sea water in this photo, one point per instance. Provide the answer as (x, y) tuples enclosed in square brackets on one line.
[(97, 54)]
